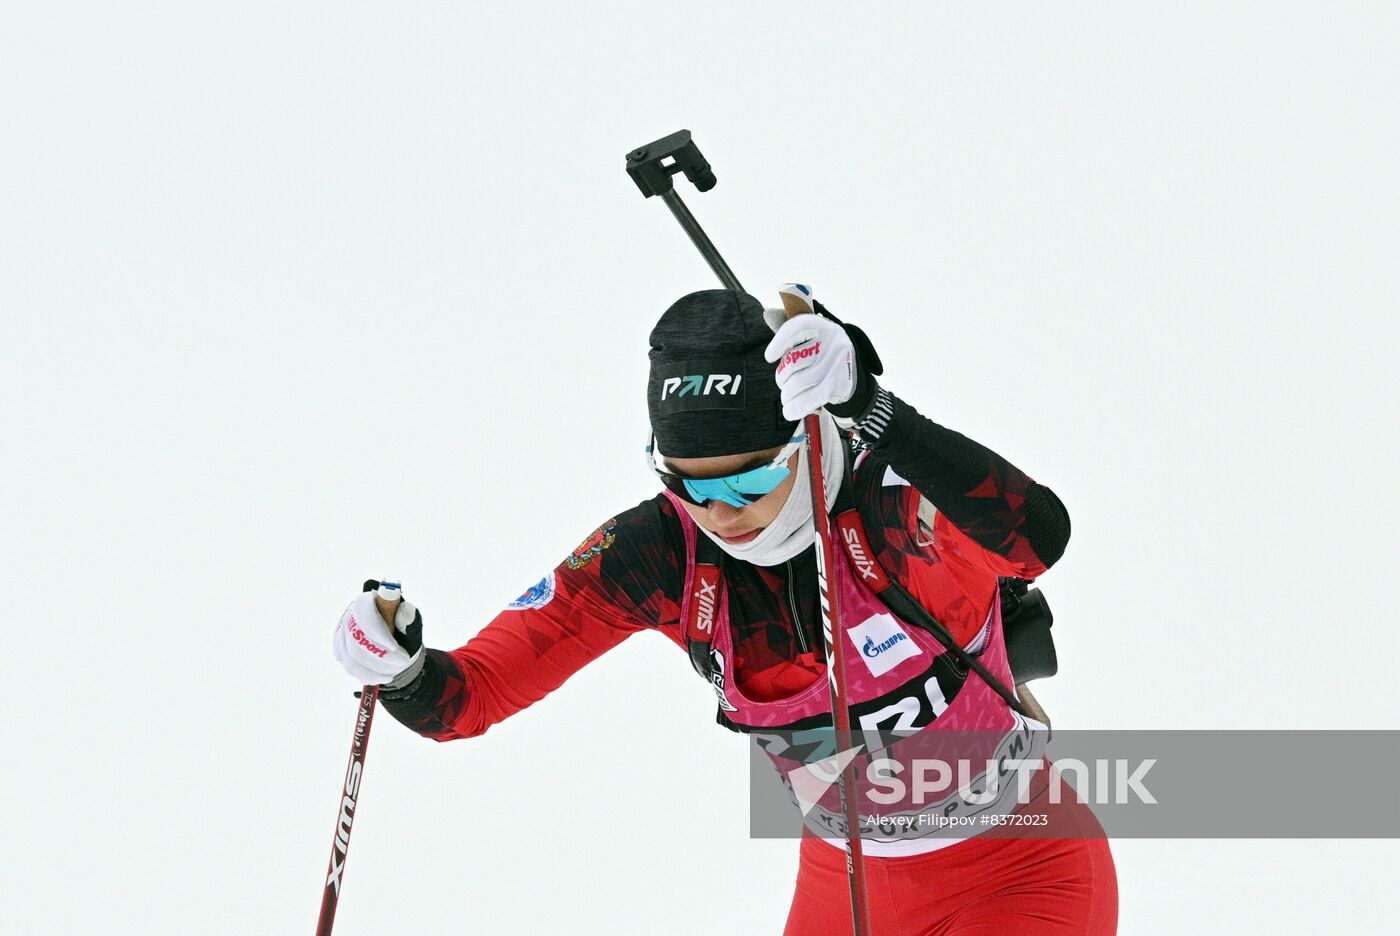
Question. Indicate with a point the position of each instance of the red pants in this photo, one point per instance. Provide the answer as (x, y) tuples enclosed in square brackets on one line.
[(991, 884)]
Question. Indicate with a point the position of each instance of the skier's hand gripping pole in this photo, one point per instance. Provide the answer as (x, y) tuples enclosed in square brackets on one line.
[(387, 596), (797, 300)]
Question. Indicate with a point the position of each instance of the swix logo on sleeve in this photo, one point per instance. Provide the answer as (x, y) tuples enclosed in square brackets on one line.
[(699, 385), (858, 548), (882, 643), (799, 354), (704, 602), (364, 641)]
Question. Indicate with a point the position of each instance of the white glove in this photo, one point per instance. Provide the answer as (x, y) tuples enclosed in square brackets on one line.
[(363, 644), (816, 364)]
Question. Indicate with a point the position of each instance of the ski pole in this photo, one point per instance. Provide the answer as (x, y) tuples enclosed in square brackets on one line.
[(651, 167), (386, 599), (797, 300)]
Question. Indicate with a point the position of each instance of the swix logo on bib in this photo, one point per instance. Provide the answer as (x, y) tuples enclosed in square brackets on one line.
[(882, 644), (858, 548), (704, 602), (701, 385)]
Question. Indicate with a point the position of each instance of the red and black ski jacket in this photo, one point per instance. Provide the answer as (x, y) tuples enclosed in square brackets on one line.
[(990, 520)]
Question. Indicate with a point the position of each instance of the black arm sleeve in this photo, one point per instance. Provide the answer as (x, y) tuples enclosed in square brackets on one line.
[(1047, 524), (985, 496)]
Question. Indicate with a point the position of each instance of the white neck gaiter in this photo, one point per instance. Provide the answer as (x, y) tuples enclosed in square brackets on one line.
[(791, 530)]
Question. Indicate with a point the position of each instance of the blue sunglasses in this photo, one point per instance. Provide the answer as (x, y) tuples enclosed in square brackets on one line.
[(737, 490)]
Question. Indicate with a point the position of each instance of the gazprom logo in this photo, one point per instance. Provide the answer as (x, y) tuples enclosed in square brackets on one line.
[(882, 643), (701, 385), (873, 649)]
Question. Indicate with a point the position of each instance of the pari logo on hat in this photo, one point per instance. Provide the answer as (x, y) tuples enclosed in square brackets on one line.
[(701, 385)]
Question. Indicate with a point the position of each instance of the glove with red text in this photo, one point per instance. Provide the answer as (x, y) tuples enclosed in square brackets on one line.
[(370, 650), (822, 362)]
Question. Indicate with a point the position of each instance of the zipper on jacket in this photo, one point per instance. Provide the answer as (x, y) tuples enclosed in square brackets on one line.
[(796, 618)]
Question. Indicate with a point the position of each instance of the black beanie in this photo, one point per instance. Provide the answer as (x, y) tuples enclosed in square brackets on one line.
[(710, 391)]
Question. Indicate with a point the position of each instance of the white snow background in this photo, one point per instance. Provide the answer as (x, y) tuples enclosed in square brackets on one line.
[(294, 294)]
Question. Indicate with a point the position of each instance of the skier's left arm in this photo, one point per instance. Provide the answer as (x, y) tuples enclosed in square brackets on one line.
[(989, 511), (624, 578)]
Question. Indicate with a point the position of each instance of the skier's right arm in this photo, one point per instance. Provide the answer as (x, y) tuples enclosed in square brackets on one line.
[(623, 578)]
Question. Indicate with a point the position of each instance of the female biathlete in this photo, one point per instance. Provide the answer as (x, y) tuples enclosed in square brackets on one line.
[(723, 562)]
